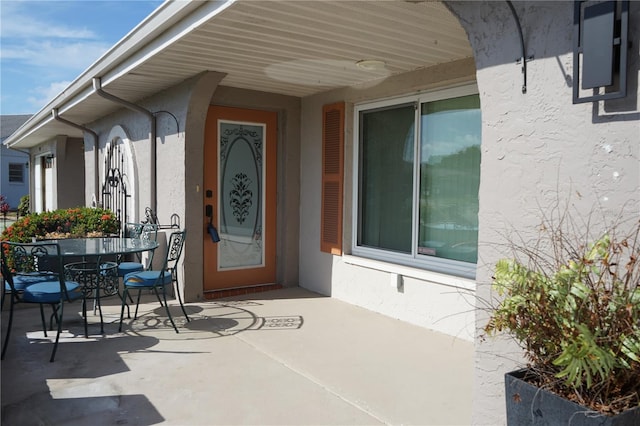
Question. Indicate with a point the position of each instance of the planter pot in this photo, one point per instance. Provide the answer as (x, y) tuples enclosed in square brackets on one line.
[(529, 405)]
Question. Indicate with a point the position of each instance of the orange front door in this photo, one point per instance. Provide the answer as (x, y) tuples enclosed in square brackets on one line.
[(240, 198)]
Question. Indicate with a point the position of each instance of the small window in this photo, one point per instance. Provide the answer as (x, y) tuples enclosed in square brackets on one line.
[(16, 172), (418, 179)]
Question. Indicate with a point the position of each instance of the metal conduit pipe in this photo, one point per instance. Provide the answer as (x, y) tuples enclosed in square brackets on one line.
[(522, 47), (96, 182), (97, 86)]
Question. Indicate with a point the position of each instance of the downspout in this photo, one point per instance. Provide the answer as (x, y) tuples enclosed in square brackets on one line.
[(96, 182), (97, 86)]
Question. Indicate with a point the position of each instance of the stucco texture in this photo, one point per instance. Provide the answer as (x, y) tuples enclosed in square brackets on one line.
[(540, 152)]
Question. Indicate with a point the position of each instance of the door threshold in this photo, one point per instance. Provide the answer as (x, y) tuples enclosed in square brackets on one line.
[(238, 291)]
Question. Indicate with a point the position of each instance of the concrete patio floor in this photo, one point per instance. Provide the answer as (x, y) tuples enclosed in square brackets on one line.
[(286, 357)]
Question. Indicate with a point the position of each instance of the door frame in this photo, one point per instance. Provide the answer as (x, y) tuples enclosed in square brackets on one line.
[(214, 279)]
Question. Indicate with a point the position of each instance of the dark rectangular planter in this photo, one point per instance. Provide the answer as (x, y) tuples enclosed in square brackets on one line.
[(530, 405)]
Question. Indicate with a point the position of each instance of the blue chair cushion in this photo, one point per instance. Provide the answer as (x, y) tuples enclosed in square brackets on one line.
[(125, 268), (49, 292), (22, 281), (147, 279)]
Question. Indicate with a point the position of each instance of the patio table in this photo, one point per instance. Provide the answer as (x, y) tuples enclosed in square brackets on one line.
[(95, 274)]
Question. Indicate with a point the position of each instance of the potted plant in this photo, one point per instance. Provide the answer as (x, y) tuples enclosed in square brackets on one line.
[(573, 304)]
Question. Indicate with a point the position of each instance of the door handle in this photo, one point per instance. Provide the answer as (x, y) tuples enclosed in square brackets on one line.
[(211, 230)]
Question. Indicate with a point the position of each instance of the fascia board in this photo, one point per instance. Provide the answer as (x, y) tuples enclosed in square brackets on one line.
[(176, 32)]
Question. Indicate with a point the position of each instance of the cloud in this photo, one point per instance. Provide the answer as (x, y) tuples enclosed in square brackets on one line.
[(42, 95), (45, 54), (46, 44), (19, 21), (19, 27), (34, 38)]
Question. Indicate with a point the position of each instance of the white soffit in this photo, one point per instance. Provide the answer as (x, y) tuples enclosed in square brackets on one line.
[(295, 48)]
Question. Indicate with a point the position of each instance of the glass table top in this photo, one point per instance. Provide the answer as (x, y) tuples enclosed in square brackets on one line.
[(103, 246)]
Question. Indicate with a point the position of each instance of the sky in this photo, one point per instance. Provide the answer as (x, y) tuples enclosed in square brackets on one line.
[(45, 45)]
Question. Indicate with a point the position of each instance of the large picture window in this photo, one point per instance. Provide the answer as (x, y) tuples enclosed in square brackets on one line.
[(417, 183)]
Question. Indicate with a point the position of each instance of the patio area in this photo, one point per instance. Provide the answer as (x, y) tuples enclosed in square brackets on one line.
[(285, 357)]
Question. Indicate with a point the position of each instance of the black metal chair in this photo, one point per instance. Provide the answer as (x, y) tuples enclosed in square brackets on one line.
[(27, 269), (143, 231), (158, 279)]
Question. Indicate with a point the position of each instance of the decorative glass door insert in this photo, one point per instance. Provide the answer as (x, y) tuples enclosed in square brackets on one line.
[(240, 197)]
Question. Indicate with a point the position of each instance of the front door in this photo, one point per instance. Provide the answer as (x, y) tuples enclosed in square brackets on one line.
[(240, 198)]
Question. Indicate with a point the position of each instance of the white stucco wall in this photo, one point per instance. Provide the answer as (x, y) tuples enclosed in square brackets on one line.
[(63, 185), (69, 167), (42, 186), (539, 150), (170, 109), (435, 301)]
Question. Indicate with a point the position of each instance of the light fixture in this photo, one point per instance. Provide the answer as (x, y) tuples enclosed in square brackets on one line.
[(371, 64), (600, 50)]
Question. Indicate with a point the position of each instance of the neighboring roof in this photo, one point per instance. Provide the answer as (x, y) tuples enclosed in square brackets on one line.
[(295, 48), (11, 123)]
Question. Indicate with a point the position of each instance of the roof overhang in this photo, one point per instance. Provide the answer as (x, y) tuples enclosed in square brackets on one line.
[(296, 48)]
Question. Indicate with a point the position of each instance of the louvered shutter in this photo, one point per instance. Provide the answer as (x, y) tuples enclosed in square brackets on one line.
[(332, 177)]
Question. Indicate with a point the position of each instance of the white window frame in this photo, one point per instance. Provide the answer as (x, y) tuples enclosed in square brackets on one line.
[(429, 263)]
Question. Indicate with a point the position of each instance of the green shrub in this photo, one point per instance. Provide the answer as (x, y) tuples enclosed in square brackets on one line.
[(63, 223), (23, 207)]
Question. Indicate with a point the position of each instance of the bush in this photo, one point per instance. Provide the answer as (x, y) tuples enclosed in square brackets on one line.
[(64, 223), (23, 207)]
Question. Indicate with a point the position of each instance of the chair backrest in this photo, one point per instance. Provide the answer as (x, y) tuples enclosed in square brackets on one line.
[(27, 258), (31, 259), (174, 249), (143, 231)]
